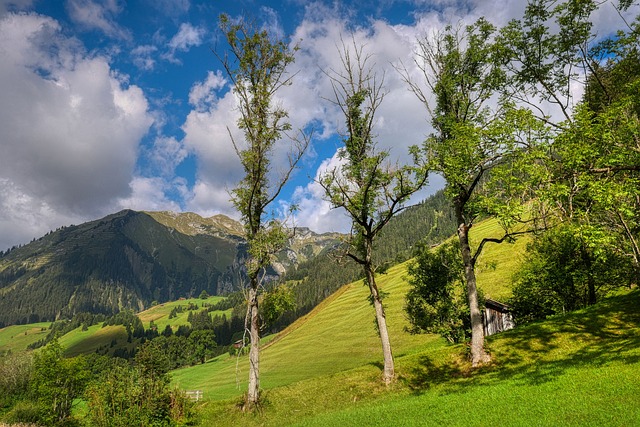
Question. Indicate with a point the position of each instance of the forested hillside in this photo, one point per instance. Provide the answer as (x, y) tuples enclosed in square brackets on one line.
[(128, 260)]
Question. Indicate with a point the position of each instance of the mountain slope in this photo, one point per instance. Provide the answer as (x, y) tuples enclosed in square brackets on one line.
[(129, 259)]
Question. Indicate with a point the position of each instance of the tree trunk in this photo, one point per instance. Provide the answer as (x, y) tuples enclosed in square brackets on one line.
[(253, 394), (381, 319), (478, 355)]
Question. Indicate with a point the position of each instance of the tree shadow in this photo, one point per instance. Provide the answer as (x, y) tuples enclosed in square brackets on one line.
[(426, 374), (541, 352)]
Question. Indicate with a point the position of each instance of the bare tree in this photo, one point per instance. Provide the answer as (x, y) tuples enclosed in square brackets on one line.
[(366, 185)]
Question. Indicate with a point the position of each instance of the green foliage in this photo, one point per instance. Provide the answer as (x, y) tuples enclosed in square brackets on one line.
[(204, 343), (15, 374), (200, 320), (204, 294), (129, 396), (436, 302), (56, 383), (565, 269), (275, 303)]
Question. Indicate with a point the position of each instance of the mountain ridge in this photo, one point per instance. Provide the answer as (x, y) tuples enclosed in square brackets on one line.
[(129, 259)]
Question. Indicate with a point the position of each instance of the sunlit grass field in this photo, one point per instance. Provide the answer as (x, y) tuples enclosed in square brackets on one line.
[(19, 337), (580, 369)]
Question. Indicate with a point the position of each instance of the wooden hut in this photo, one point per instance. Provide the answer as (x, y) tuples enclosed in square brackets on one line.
[(496, 317)]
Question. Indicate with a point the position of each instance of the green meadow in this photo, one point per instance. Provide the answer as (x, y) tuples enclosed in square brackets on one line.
[(578, 369), (325, 369), (159, 314), (19, 337)]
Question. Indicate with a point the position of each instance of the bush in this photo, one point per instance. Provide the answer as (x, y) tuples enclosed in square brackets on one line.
[(25, 411), (436, 301), (15, 373), (140, 395), (565, 269)]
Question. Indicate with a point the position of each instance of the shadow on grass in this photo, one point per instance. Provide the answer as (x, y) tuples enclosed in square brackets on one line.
[(538, 353)]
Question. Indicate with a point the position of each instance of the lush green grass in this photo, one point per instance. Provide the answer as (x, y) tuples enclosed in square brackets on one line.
[(160, 313), (338, 335), (582, 369), (82, 342), (498, 262), (18, 337), (579, 369)]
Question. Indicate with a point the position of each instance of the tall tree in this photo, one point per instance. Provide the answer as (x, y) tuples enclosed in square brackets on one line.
[(594, 161), (257, 66), (366, 185), (478, 144)]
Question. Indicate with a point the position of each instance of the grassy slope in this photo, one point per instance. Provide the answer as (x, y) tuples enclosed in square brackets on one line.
[(580, 369), (339, 334), (18, 337), (160, 313)]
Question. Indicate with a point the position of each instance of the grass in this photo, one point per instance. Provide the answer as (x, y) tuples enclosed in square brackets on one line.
[(160, 313), (78, 342), (337, 335), (19, 337), (581, 369), (498, 262)]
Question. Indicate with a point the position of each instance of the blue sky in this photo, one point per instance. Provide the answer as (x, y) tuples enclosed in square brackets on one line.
[(110, 104)]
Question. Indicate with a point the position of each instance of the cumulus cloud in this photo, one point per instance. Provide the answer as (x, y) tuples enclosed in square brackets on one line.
[(313, 211), (207, 135), (99, 16), (69, 125), (187, 37), (150, 194), (203, 94)]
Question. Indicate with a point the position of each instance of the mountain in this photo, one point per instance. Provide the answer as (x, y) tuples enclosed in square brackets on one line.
[(129, 259)]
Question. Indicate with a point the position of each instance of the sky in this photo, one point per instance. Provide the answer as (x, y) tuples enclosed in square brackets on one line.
[(111, 105)]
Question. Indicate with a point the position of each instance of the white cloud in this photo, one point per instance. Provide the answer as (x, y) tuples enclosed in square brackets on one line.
[(143, 57), (314, 211), (187, 37), (207, 135), (150, 194), (100, 16), (69, 125), (165, 155), (203, 95)]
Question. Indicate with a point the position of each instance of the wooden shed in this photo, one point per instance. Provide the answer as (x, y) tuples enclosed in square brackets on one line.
[(496, 317)]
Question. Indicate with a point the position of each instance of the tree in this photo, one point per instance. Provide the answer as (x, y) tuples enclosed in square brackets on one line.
[(436, 301), (203, 344), (57, 382), (369, 188), (127, 396), (482, 144), (276, 302), (594, 161), (563, 271), (257, 66)]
